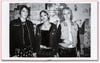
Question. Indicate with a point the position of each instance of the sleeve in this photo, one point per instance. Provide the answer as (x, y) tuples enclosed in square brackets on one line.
[(59, 34), (38, 39), (78, 39), (12, 45)]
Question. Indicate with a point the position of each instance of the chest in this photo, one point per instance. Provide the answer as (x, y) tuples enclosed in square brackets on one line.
[(46, 27)]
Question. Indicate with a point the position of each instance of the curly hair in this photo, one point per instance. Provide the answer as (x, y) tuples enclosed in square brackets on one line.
[(24, 6)]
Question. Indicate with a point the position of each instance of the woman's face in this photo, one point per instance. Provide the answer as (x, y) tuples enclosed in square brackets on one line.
[(24, 13), (66, 14), (56, 5), (44, 16), (52, 11)]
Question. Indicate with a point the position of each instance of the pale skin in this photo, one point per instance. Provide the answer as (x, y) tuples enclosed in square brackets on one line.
[(23, 17), (46, 24), (67, 22), (67, 15), (24, 14)]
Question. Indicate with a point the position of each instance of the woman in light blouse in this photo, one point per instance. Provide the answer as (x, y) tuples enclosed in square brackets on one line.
[(68, 44)]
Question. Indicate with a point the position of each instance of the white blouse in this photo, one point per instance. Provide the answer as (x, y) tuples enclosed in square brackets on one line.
[(68, 35)]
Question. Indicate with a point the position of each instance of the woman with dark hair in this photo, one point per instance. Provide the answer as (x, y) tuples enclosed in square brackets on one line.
[(47, 36), (22, 37), (68, 44)]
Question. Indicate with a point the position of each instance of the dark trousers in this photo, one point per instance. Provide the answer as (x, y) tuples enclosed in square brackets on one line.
[(67, 52), (46, 53)]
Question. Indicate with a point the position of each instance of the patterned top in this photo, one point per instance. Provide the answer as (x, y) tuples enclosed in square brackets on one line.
[(68, 35)]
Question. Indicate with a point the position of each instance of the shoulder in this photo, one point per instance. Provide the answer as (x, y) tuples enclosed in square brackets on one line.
[(28, 21), (75, 26), (39, 25), (15, 21), (56, 17), (62, 23), (53, 25)]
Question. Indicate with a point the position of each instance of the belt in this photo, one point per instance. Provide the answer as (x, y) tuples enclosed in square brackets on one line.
[(63, 48), (62, 45), (44, 47)]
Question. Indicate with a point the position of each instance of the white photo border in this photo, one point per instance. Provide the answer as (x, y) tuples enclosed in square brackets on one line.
[(5, 34)]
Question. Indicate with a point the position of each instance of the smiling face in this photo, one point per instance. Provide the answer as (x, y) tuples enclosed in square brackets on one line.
[(24, 13), (44, 16)]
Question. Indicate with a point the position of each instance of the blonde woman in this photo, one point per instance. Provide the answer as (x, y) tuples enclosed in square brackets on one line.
[(68, 45)]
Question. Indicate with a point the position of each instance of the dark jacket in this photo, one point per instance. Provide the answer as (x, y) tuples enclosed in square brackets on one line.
[(16, 35), (53, 36)]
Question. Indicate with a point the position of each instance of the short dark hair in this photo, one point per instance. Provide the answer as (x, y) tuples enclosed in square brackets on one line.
[(44, 12), (24, 6)]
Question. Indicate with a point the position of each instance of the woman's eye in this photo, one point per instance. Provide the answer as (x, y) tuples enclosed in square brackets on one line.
[(24, 11)]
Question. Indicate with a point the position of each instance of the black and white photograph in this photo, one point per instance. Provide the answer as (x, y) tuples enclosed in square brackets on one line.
[(49, 30)]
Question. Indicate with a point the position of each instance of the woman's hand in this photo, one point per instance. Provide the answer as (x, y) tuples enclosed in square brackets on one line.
[(42, 46)]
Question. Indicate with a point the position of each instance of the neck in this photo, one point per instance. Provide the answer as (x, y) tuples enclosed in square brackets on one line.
[(68, 21), (22, 19), (46, 23)]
